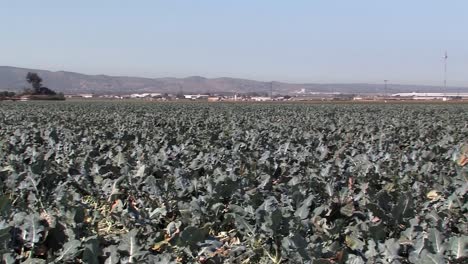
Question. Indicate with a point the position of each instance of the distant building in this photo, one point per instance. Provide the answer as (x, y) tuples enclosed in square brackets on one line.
[(322, 96), (260, 98), (196, 96), (25, 98), (79, 95), (214, 98), (109, 96), (145, 95), (432, 96)]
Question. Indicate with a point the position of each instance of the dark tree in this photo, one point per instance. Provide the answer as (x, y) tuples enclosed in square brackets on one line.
[(46, 91), (35, 81), (6, 94)]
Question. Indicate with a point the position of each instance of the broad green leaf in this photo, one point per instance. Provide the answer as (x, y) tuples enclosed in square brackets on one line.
[(404, 208), (5, 205), (69, 250), (459, 246), (436, 239), (429, 258), (8, 258), (91, 250), (129, 243), (347, 210), (119, 159), (111, 252)]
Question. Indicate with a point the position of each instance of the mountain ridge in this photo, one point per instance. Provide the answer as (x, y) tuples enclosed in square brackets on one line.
[(13, 79)]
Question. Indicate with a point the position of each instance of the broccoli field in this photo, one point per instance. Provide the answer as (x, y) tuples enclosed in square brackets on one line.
[(139, 182)]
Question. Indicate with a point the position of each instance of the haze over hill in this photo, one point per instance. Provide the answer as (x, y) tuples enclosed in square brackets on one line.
[(13, 79)]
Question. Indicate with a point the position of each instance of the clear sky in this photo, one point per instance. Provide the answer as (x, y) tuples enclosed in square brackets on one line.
[(327, 41)]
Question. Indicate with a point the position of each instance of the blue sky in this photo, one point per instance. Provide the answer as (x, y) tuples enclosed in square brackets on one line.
[(326, 41)]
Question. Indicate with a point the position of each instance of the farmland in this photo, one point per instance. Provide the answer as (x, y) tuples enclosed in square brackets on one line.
[(134, 182)]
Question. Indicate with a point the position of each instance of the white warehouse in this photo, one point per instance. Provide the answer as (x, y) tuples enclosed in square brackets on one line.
[(432, 96)]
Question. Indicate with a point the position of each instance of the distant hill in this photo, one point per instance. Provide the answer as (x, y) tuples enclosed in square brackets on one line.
[(13, 79)]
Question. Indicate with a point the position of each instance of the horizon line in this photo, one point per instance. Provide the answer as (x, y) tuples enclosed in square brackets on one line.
[(239, 78)]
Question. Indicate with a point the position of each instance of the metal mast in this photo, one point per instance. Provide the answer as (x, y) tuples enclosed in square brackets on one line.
[(445, 72)]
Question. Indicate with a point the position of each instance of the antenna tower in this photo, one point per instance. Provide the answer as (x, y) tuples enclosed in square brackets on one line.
[(445, 72)]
